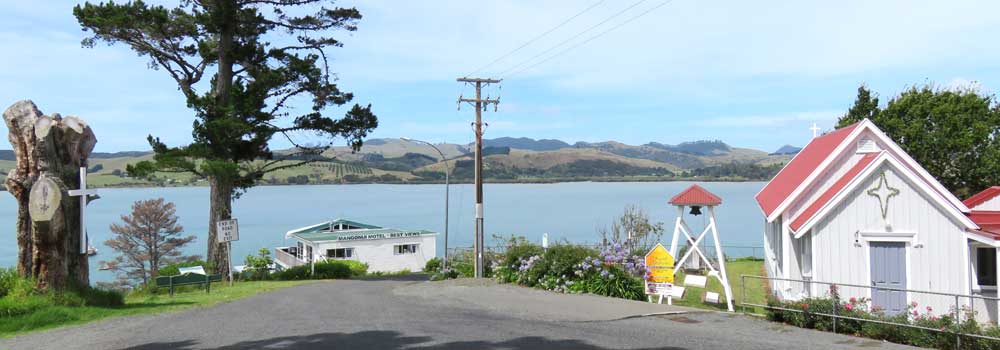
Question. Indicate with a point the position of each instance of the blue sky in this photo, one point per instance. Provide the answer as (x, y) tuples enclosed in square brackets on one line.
[(753, 74)]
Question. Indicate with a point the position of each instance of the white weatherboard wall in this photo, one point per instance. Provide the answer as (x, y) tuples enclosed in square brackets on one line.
[(380, 254), (940, 265)]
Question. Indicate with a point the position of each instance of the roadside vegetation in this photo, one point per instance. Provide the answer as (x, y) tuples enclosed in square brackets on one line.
[(25, 309), (939, 333), (615, 269)]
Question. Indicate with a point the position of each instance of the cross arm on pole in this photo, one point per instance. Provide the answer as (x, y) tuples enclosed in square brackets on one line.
[(478, 80)]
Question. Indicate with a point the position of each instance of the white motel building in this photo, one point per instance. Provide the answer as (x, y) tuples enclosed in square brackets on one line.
[(853, 208), (383, 249)]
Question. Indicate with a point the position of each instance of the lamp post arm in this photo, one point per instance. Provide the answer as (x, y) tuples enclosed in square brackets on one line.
[(447, 171)]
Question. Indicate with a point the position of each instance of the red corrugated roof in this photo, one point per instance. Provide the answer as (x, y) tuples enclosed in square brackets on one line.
[(696, 195), (801, 166), (982, 197), (825, 198), (988, 221), (985, 218)]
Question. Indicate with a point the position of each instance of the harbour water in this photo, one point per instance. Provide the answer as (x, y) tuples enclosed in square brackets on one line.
[(566, 211)]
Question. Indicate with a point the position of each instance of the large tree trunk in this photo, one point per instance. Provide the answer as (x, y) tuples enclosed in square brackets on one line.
[(49, 151), (221, 208)]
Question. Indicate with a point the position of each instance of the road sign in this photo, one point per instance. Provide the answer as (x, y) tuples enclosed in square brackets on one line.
[(659, 265), (227, 230)]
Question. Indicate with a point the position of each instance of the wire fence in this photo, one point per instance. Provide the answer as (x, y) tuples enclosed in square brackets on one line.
[(891, 306)]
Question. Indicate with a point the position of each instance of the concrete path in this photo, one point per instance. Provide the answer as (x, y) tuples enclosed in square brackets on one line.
[(394, 314)]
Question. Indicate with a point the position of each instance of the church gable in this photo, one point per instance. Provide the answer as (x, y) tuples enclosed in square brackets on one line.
[(899, 187), (823, 169)]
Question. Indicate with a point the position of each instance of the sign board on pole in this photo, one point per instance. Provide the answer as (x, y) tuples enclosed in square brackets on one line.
[(660, 273), (227, 230)]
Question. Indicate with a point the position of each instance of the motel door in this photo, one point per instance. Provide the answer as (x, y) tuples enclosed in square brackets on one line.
[(888, 269)]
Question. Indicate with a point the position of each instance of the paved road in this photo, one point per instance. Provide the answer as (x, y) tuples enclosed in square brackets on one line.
[(394, 314)]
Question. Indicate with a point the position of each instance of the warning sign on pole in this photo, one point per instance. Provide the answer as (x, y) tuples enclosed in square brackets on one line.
[(660, 273), (227, 230)]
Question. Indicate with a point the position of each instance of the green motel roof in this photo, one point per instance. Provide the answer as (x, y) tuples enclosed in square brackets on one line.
[(354, 231)]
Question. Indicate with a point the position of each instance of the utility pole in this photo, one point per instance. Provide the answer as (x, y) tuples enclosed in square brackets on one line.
[(480, 104)]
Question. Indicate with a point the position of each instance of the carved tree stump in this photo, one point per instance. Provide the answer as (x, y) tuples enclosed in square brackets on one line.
[(49, 152)]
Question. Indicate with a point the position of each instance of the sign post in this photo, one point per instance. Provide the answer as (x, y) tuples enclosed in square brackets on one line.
[(84, 193), (227, 231), (659, 274)]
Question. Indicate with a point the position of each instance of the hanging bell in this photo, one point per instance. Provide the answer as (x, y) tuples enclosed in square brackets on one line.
[(695, 210)]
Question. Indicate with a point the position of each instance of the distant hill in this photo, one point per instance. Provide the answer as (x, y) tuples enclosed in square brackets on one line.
[(786, 150), (526, 144), (506, 159), (701, 148)]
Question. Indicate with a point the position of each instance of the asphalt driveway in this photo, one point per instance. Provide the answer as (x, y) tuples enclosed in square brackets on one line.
[(406, 314)]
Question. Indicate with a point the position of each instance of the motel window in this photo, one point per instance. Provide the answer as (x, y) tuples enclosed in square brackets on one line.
[(986, 266), (340, 253), (405, 249)]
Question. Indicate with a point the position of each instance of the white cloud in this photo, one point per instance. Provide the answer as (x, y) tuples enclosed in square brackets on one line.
[(678, 44)]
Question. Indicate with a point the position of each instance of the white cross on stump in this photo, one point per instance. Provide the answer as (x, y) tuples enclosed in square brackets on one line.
[(84, 193)]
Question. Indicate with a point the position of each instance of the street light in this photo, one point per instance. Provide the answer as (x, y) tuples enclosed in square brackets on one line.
[(446, 184)]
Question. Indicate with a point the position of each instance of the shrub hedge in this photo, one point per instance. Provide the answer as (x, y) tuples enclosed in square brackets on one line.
[(809, 313)]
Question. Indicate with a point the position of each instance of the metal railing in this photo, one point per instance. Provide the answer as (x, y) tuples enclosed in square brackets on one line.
[(955, 301), (286, 258)]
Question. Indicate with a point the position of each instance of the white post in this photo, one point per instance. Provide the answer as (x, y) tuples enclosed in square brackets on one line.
[(83, 193), (229, 248), (998, 276), (723, 278), (677, 228)]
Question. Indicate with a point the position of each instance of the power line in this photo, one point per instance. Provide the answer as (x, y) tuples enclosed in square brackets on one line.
[(588, 39), (529, 42), (619, 13)]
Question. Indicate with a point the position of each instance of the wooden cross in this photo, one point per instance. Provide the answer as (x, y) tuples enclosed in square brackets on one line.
[(84, 193)]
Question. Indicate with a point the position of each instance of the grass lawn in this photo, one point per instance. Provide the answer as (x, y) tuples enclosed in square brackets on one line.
[(755, 289), (57, 316)]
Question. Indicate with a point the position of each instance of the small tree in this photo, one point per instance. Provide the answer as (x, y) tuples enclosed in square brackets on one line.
[(148, 239), (634, 230), (259, 266)]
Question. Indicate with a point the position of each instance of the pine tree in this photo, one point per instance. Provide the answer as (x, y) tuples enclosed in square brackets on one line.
[(240, 77)]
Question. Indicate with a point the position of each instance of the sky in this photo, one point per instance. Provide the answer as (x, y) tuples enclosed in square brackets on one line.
[(754, 74)]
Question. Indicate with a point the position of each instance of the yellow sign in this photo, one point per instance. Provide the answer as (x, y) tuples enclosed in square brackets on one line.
[(659, 265)]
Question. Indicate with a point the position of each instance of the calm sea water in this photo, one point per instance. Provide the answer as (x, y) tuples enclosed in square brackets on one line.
[(571, 211)]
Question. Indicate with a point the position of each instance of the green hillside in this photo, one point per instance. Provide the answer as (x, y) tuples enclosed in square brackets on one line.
[(398, 161)]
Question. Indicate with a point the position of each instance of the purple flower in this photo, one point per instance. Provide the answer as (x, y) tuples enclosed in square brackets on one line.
[(604, 273)]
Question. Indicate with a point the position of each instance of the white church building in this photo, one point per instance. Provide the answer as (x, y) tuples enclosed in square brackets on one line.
[(853, 208)]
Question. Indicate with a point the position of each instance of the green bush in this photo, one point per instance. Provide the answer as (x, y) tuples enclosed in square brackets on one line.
[(13, 284), (805, 313), (16, 306), (433, 265), (174, 269), (334, 269), (519, 249), (358, 268), (257, 267)]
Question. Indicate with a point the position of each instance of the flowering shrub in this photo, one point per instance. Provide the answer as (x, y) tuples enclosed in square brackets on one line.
[(810, 313), (567, 268)]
